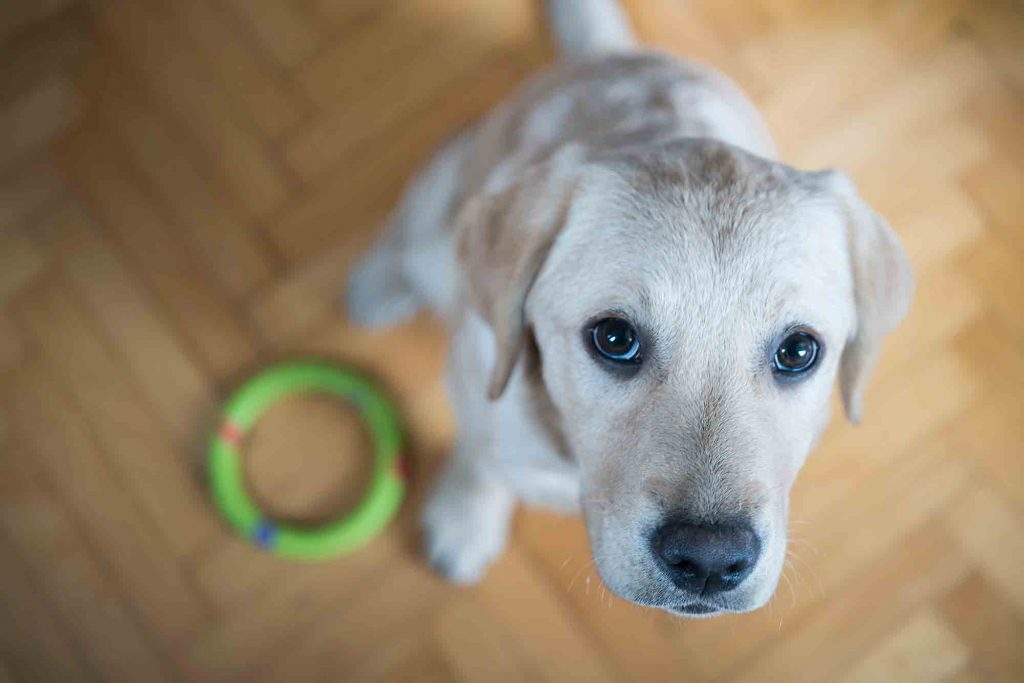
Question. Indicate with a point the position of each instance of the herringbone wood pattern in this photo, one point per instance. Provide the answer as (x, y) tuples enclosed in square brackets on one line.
[(182, 188)]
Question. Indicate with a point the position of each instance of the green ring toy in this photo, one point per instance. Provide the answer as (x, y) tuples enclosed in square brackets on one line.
[(247, 405)]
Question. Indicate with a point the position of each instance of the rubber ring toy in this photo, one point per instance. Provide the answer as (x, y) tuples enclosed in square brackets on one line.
[(245, 407)]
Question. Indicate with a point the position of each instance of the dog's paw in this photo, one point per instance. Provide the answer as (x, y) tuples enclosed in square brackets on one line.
[(464, 534), (377, 295)]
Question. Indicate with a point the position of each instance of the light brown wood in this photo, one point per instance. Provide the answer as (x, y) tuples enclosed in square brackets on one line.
[(183, 187)]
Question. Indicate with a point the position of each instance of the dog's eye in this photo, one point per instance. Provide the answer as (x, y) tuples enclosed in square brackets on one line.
[(616, 340), (797, 353)]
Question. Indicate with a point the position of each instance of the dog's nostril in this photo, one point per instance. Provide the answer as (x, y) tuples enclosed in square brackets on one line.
[(735, 568), (686, 568)]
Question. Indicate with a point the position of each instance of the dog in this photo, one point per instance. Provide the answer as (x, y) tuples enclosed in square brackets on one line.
[(647, 313)]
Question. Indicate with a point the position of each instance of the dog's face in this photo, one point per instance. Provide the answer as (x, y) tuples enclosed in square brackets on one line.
[(691, 306)]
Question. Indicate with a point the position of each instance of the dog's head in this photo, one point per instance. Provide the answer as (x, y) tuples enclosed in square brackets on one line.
[(689, 306)]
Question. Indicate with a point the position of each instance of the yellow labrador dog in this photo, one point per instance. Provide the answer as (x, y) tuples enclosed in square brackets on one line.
[(647, 314)]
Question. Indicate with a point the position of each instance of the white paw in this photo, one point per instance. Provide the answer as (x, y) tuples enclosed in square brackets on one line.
[(377, 295), (465, 531)]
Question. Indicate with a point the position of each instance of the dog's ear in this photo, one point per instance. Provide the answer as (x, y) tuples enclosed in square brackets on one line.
[(503, 237), (883, 286)]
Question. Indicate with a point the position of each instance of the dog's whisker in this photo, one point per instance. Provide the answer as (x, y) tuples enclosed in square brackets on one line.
[(791, 583), (806, 543), (791, 554), (577, 574)]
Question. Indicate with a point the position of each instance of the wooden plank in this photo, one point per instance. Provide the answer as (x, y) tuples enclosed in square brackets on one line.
[(23, 191), (16, 16), (992, 265), (228, 243), (555, 641), (971, 673), (978, 613), (1000, 30), (918, 98), (35, 646), (35, 119), (988, 184), (84, 595), (417, 36), (964, 306), (13, 348), (992, 432), (280, 605), (477, 646), (423, 664), (187, 86), (434, 61), (987, 527), (402, 593), (310, 294), (930, 247), (173, 384), (152, 243), (21, 263), (828, 641), (924, 648), (346, 15), (809, 86), (287, 33), (162, 477), (254, 91), (108, 508), (943, 152), (684, 30), (53, 48), (368, 185)]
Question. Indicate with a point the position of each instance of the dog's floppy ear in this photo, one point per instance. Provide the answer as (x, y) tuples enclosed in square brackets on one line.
[(883, 286), (503, 237)]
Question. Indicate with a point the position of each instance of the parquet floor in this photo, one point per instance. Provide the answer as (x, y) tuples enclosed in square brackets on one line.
[(182, 188)]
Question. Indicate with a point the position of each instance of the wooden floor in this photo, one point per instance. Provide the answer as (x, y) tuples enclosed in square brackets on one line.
[(183, 186)]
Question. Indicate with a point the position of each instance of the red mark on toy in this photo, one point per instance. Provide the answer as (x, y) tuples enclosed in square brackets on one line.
[(402, 467), (230, 432)]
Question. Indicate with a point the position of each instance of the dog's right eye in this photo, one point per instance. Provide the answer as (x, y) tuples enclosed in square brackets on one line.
[(797, 353), (616, 339)]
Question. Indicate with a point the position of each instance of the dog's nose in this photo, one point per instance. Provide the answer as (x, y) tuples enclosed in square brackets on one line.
[(706, 559)]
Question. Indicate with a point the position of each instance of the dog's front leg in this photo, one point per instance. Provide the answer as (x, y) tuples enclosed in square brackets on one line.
[(466, 519)]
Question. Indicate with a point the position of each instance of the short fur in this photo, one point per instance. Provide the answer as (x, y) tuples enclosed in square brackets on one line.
[(630, 182)]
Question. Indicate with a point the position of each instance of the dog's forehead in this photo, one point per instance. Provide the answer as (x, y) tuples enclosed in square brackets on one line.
[(691, 231), (702, 195), (713, 216)]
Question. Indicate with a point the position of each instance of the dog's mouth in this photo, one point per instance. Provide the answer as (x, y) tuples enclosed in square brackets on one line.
[(695, 609)]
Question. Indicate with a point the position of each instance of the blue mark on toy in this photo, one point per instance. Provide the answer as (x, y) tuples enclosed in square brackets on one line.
[(264, 534)]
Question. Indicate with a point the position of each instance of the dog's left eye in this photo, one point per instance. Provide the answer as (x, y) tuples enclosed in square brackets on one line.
[(617, 340), (797, 353)]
